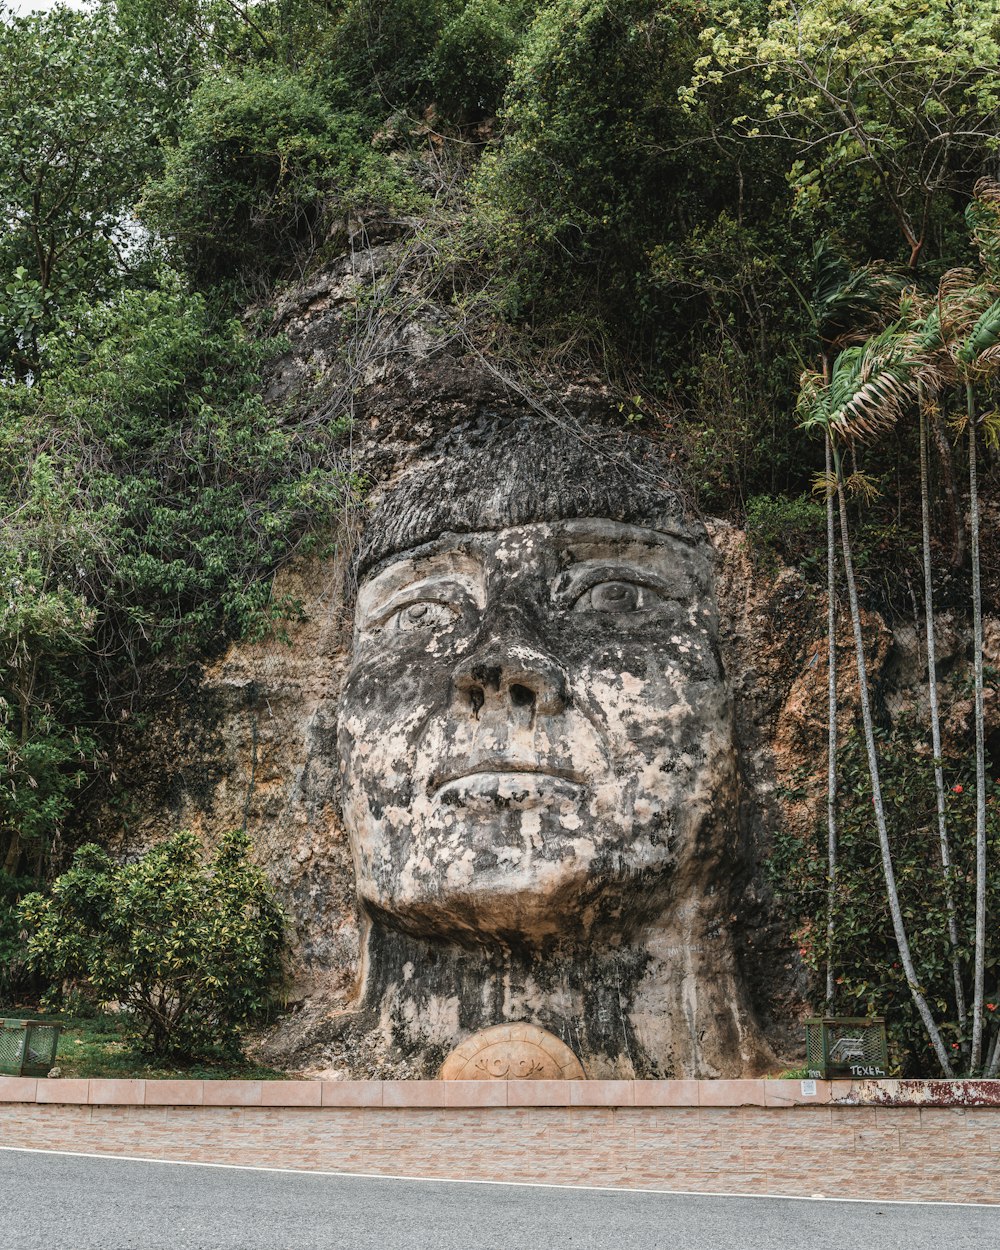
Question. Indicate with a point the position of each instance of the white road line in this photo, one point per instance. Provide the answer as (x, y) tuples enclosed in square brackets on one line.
[(456, 1180)]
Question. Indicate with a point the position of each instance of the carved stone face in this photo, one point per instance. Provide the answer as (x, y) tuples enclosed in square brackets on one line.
[(534, 732)]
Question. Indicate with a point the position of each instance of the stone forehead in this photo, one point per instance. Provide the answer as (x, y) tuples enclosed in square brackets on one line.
[(499, 473)]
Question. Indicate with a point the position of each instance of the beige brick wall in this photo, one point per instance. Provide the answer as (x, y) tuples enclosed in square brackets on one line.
[(903, 1152)]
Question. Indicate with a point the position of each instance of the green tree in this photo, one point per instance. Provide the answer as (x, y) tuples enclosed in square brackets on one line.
[(592, 165), (967, 323), (147, 496), (77, 139), (887, 105), (469, 69), (262, 167), (845, 304), (190, 950), (190, 491)]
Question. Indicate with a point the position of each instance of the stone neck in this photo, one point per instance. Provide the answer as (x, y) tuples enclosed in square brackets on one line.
[(667, 1003)]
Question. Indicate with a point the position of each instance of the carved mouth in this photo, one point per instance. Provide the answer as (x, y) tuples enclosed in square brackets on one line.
[(490, 775), (507, 766)]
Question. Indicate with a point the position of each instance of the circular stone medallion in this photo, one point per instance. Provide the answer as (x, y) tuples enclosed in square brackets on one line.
[(512, 1052)]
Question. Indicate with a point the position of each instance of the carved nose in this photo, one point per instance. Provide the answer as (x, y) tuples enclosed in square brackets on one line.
[(511, 677)]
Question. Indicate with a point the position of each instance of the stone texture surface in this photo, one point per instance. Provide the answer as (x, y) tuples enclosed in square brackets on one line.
[(840, 1152), (512, 1053), (880, 1097), (537, 766)]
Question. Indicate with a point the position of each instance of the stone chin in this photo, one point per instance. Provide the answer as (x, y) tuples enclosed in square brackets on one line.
[(514, 875), (522, 856)]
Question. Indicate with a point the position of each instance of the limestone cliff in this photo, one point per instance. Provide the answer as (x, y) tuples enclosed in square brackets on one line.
[(252, 739)]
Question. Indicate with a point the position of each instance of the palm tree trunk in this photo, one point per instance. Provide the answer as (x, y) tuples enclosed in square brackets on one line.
[(898, 925), (977, 633), (943, 446), (993, 1057), (948, 871), (831, 786)]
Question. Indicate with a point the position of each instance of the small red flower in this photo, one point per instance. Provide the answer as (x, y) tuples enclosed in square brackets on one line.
[(991, 1006), (956, 789)]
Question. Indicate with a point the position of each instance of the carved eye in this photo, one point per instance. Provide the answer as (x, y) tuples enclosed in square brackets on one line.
[(614, 596), (425, 614)]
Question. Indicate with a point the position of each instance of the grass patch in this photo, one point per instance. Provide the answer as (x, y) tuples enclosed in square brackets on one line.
[(92, 1046)]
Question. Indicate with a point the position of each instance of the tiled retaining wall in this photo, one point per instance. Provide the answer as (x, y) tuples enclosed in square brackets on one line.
[(868, 1140)]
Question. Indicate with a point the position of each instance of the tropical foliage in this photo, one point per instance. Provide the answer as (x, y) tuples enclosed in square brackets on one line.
[(867, 969), (932, 347), (146, 495)]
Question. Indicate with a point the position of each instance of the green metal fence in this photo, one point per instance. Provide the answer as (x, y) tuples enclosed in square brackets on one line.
[(28, 1047), (845, 1047)]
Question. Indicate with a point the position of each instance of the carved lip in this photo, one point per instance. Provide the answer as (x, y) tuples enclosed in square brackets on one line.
[(491, 768)]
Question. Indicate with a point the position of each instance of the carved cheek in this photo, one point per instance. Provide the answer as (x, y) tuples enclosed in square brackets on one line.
[(658, 720), (385, 705)]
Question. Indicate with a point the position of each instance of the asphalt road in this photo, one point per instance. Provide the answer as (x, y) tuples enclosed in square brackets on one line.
[(64, 1202)]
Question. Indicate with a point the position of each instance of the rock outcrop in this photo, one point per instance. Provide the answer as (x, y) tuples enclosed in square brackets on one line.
[(601, 869)]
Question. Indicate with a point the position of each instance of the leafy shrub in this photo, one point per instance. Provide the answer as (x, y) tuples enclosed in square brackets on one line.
[(261, 167), (471, 64), (189, 950), (589, 171), (175, 490), (795, 529)]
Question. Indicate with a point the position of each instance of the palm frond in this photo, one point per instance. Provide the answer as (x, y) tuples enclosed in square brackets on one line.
[(955, 282), (934, 369), (989, 424), (812, 403), (872, 386), (824, 484), (984, 334), (928, 332), (961, 302), (914, 306), (986, 191), (924, 340), (952, 296), (982, 214), (849, 301)]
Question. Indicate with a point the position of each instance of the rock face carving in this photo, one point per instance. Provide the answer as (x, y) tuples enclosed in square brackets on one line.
[(518, 1052), (537, 767)]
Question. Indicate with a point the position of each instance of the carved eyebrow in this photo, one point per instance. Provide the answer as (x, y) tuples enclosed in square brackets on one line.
[(676, 584), (636, 544), (592, 531)]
